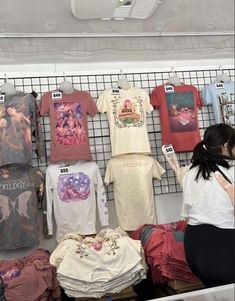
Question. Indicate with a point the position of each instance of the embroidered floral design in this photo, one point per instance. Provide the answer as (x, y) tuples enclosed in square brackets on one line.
[(113, 246), (82, 251)]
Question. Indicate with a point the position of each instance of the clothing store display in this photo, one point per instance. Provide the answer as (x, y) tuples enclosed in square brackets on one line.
[(20, 196), (30, 278), (132, 176), (68, 124), (178, 115), (221, 96), (126, 112), (94, 266), (72, 194), (18, 118)]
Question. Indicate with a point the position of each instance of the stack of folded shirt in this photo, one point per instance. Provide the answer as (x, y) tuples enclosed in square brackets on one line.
[(94, 266), (164, 251)]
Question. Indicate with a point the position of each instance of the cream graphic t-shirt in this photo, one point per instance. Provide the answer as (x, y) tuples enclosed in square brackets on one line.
[(126, 112), (132, 176)]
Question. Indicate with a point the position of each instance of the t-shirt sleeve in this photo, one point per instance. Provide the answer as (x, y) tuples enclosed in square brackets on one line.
[(49, 199), (109, 177), (148, 106), (92, 107), (158, 170), (199, 102), (102, 103), (207, 95), (155, 99), (44, 105), (101, 199)]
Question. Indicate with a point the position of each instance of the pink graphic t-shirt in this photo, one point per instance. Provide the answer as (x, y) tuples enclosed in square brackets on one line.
[(68, 120)]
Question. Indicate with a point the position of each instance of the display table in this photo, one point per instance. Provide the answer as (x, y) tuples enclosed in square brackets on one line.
[(219, 293), (126, 295)]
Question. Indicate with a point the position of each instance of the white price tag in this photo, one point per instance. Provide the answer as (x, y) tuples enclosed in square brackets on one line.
[(169, 89), (56, 95), (64, 170), (219, 85), (2, 98)]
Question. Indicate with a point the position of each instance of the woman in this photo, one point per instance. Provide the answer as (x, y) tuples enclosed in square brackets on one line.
[(210, 235)]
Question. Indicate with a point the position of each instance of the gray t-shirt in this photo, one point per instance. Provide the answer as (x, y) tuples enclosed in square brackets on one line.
[(18, 118), (20, 192)]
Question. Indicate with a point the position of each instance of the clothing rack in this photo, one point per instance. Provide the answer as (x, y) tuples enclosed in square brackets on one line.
[(98, 126)]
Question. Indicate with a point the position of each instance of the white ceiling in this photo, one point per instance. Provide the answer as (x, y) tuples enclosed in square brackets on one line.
[(46, 31)]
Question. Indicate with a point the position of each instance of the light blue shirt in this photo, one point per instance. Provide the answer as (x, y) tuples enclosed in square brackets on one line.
[(222, 98)]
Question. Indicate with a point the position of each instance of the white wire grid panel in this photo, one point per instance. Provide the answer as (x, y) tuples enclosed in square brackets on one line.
[(98, 126)]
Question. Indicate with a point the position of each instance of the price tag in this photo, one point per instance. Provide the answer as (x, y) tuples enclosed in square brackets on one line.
[(56, 95), (169, 89), (2, 98), (64, 170), (219, 85), (115, 91)]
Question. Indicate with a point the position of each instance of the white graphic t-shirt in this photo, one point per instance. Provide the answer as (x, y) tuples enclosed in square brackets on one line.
[(222, 98), (126, 113), (132, 176), (71, 194)]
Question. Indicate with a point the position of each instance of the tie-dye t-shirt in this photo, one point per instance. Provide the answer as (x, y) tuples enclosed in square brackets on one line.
[(20, 189), (68, 121), (72, 194)]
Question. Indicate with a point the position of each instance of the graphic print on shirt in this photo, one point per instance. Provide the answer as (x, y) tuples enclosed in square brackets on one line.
[(227, 105), (181, 113), (19, 205), (69, 123), (128, 112), (10, 273), (15, 127), (73, 187)]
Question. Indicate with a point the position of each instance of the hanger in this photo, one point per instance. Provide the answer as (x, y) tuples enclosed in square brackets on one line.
[(8, 88), (174, 79), (222, 77), (123, 83), (66, 86)]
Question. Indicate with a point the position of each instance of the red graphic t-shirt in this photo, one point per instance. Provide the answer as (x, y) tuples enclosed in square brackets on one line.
[(68, 120), (178, 115)]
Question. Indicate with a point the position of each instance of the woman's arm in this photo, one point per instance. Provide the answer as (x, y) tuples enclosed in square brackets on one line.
[(228, 187)]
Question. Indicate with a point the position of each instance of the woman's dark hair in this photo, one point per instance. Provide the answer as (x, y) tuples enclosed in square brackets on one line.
[(208, 153)]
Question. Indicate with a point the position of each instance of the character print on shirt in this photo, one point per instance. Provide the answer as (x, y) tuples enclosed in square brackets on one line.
[(15, 127), (227, 105), (10, 274), (181, 112), (73, 187), (19, 205), (128, 112), (69, 123)]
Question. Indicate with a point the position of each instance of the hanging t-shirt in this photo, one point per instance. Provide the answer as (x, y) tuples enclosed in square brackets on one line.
[(222, 98), (18, 115), (126, 113), (132, 177), (71, 194), (68, 120), (20, 191), (178, 115)]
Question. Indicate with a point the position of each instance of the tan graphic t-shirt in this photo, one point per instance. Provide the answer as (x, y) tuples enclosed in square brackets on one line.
[(126, 112), (132, 176)]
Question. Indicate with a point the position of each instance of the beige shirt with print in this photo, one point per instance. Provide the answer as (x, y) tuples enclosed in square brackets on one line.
[(126, 112), (132, 176)]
